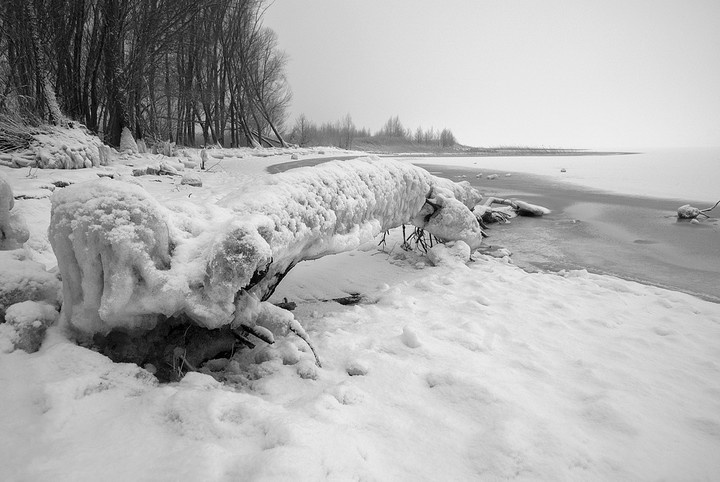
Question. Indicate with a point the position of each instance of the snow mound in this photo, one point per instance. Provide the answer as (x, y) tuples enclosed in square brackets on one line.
[(125, 258), (450, 254)]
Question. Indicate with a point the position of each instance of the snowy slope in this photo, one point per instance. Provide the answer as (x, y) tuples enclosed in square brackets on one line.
[(459, 372)]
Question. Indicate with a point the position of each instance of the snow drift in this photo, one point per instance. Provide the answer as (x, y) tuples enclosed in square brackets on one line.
[(125, 259)]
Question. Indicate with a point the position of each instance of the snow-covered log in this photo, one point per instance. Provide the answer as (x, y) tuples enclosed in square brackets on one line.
[(125, 259)]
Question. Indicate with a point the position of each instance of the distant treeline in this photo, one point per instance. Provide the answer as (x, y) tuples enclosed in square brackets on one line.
[(182, 70), (344, 134)]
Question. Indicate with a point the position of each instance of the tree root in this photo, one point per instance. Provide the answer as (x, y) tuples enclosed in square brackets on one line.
[(304, 336), (703, 211)]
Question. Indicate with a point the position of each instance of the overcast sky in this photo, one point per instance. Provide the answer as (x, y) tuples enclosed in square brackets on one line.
[(560, 73)]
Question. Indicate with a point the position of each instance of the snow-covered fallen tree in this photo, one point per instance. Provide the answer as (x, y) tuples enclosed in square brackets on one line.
[(128, 262), (54, 147)]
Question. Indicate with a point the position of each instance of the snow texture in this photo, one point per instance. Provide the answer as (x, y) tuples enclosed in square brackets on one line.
[(580, 377), (125, 259)]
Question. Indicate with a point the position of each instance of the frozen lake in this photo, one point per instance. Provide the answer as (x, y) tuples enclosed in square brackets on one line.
[(684, 174)]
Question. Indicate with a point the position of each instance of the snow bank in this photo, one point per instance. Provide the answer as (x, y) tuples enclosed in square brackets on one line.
[(125, 259)]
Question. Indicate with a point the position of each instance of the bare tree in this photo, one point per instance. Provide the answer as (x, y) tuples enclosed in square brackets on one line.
[(159, 67), (348, 132)]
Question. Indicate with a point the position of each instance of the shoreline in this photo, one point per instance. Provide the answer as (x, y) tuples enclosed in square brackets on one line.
[(508, 153), (631, 237), (636, 238)]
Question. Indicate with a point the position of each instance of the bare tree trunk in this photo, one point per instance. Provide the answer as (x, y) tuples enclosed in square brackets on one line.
[(44, 88)]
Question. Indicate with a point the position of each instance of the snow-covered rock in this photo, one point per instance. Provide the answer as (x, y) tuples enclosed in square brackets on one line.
[(30, 320), (687, 211)]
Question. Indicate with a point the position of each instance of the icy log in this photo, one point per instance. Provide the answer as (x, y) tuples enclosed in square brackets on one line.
[(125, 259)]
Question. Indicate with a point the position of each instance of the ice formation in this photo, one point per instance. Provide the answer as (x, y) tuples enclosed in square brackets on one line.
[(125, 259), (13, 229), (127, 142), (23, 280)]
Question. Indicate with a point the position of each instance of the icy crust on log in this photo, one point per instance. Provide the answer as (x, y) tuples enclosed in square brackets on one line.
[(111, 241), (125, 259)]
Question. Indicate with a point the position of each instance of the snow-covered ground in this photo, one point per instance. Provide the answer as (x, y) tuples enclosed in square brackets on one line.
[(475, 371)]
